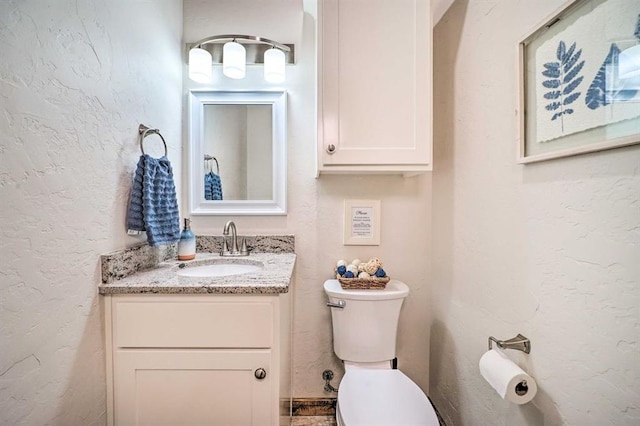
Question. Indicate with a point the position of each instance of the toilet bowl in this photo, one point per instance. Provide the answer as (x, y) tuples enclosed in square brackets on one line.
[(374, 397), (371, 393)]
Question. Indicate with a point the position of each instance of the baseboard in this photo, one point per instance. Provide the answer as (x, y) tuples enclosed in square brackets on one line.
[(313, 407)]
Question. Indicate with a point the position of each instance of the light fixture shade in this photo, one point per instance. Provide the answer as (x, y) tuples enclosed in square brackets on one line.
[(200, 65), (629, 62), (234, 60), (274, 65)]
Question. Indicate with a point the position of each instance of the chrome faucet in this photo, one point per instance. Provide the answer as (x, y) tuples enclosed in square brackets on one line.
[(233, 251)]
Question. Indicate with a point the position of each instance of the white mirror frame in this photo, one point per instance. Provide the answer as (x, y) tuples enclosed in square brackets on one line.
[(278, 204)]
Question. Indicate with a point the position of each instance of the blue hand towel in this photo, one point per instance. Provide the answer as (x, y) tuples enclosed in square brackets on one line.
[(153, 205), (208, 194), (216, 187)]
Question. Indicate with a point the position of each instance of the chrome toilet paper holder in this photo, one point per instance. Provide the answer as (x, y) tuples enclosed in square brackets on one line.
[(519, 343)]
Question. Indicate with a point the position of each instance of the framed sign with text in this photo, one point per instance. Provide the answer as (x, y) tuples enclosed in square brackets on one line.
[(361, 222)]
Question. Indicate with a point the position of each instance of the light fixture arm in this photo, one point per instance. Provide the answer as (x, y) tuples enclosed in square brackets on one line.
[(237, 38)]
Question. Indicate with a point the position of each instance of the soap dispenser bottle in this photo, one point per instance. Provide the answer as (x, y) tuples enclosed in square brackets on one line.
[(187, 243)]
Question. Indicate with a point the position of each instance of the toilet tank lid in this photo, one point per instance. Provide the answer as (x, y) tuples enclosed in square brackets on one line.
[(393, 290)]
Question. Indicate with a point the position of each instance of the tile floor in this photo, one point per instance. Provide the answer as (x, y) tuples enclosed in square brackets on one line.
[(331, 421), (313, 421)]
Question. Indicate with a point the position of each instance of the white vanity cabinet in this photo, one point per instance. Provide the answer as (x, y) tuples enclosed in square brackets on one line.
[(375, 86), (193, 359)]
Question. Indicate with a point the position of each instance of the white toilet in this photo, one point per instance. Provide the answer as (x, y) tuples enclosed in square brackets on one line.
[(364, 337)]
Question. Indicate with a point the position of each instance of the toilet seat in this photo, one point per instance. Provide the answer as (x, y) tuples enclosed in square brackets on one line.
[(369, 397)]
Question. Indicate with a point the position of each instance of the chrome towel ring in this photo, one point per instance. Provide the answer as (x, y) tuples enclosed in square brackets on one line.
[(208, 158), (145, 131)]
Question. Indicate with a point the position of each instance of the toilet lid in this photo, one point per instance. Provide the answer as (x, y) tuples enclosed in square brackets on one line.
[(383, 398)]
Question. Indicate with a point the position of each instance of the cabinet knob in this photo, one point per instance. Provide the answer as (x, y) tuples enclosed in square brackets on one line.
[(260, 373), (331, 148)]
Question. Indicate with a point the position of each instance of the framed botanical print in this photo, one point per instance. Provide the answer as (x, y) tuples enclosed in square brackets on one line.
[(579, 75)]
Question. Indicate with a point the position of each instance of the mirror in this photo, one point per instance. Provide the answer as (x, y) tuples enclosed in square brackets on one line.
[(237, 153)]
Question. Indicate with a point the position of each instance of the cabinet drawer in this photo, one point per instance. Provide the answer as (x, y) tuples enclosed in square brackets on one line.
[(193, 324)]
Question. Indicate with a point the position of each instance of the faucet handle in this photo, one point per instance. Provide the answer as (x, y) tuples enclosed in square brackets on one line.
[(225, 246), (243, 247)]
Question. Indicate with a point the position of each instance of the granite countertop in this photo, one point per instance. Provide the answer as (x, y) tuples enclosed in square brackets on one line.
[(273, 278)]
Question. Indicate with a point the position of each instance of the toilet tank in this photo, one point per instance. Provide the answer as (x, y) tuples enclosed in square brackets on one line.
[(365, 329)]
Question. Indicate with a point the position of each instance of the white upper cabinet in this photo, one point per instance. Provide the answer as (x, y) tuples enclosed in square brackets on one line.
[(375, 86)]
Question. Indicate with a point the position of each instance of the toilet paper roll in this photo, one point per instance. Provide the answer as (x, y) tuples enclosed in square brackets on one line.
[(510, 381)]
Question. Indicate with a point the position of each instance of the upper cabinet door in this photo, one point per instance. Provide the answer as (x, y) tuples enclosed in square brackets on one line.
[(375, 86)]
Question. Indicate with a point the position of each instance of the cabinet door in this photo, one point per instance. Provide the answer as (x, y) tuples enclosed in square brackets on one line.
[(375, 83), (193, 387)]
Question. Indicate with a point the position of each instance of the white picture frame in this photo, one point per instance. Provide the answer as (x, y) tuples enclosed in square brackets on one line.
[(277, 204), (361, 223), (569, 28)]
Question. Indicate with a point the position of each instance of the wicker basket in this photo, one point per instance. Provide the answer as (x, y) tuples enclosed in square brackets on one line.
[(363, 283)]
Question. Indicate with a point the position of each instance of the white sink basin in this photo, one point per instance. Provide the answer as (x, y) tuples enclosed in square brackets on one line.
[(218, 270)]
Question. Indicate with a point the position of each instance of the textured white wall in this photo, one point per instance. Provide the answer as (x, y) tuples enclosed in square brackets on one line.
[(76, 79), (549, 250), (316, 205)]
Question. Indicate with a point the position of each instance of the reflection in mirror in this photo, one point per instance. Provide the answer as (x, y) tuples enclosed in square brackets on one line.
[(238, 152), (237, 158)]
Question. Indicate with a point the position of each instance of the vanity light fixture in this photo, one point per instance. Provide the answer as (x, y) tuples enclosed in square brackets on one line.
[(629, 62), (234, 60), (199, 65), (234, 52), (274, 65)]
